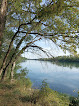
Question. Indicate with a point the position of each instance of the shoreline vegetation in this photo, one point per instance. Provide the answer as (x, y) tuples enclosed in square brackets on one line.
[(60, 59), (16, 93)]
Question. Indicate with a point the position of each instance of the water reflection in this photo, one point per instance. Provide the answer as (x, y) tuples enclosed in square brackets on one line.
[(60, 76), (67, 64)]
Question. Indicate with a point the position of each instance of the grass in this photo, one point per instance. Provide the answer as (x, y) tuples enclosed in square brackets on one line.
[(13, 94)]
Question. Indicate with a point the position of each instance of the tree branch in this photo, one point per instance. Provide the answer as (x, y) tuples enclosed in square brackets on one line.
[(10, 45), (50, 34)]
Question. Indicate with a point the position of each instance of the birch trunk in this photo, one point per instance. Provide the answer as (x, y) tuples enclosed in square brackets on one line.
[(12, 70)]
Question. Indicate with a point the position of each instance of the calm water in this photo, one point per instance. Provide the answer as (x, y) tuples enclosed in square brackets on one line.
[(61, 77)]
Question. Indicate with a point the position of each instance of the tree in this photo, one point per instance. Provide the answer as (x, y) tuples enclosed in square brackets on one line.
[(3, 10), (31, 20)]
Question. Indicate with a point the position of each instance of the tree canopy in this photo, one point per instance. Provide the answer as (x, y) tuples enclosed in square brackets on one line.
[(54, 20), (33, 20)]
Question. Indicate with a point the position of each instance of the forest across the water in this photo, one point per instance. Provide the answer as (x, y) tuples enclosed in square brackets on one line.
[(62, 59)]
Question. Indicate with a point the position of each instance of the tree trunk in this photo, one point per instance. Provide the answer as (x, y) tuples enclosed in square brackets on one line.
[(3, 10), (4, 72), (12, 70)]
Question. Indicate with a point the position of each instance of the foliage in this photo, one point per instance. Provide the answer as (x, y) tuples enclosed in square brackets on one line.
[(62, 59), (56, 19), (6, 41), (44, 90), (46, 96), (21, 76), (15, 94), (74, 101), (33, 20), (59, 20)]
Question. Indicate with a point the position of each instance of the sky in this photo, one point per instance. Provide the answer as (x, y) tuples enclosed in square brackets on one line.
[(48, 46)]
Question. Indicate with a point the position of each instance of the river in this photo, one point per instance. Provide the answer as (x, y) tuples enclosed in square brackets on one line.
[(62, 77)]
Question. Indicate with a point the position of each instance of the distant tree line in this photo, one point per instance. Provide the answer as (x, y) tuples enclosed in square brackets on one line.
[(62, 59)]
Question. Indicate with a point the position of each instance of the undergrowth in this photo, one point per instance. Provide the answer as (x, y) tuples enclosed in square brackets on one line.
[(15, 93)]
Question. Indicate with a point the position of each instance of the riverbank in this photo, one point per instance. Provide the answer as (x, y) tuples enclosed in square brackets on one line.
[(16, 94)]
